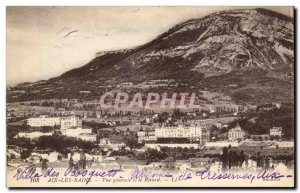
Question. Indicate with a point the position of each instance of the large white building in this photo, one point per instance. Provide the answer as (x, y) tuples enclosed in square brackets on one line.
[(32, 135), (43, 121), (236, 133), (179, 132), (76, 131), (68, 122), (193, 133), (64, 122), (70, 126)]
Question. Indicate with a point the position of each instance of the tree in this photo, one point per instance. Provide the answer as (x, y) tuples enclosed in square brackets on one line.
[(46, 129), (61, 143), (131, 141), (25, 125)]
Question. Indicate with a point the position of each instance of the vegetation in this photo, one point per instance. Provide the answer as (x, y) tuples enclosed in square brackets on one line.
[(57, 143), (265, 120)]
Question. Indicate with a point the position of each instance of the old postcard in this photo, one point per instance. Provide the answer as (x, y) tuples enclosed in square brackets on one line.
[(150, 97)]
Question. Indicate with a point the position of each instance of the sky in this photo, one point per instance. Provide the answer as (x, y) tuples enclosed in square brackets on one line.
[(44, 42)]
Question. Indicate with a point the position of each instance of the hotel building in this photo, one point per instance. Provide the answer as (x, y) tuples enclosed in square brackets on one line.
[(197, 134), (236, 133), (43, 121)]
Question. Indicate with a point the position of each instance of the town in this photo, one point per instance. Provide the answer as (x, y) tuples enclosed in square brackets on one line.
[(63, 132)]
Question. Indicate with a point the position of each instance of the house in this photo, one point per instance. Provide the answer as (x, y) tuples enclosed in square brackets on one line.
[(199, 162), (76, 131), (183, 165), (142, 149), (13, 153), (34, 159), (88, 137), (97, 158), (132, 164), (278, 105), (78, 155), (219, 125), (110, 164), (157, 165), (105, 141), (276, 131), (107, 144), (236, 133)]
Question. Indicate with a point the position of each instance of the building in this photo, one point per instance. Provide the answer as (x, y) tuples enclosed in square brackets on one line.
[(156, 83), (199, 162), (223, 144), (196, 133), (141, 134), (278, 105), (64, 122), (286, 144), (146, 136), (236, 133), (85, 92), (276, 131), (68, 122), (172, 145), (105, 141), (76, 131), (132, 164), (125, 85), (32, 135), (51, 156), (263, 137), (182, 165), (107, 144), (88, 137), (43, 121), (13, 152), (219, 125), (229, 108)]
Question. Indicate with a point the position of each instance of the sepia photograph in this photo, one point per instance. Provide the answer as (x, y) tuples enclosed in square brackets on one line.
[(150, 97)]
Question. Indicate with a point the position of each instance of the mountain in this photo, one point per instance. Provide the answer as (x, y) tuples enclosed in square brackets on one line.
[(246, 54)]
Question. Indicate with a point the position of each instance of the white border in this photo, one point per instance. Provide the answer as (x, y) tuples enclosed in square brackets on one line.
[(5, 3)]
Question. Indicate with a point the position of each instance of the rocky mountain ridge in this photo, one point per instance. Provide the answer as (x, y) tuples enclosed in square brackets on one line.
[(236, 46)]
